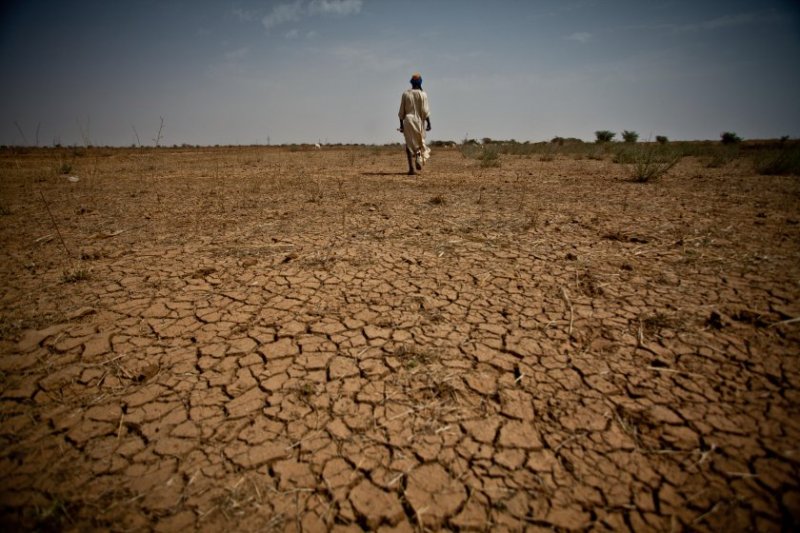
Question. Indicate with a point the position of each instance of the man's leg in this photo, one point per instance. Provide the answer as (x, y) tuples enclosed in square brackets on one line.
[(410, 163)]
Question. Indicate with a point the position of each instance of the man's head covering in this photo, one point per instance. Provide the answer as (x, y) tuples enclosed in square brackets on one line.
[(416, 80)]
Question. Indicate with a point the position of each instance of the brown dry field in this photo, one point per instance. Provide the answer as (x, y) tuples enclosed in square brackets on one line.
[(253, 339)]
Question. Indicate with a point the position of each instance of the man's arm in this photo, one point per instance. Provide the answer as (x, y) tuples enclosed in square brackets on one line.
[(402, 112), (428, 124)]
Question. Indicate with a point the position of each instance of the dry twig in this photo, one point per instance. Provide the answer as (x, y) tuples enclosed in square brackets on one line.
[(567, 301)]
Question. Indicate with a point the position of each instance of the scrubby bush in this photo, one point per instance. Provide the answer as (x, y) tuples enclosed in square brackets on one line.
[(630, 136), (624, 156), (782, 162), (490, 157), (470, 150), (652, 162), (730, 137), (662, 139), (596, 154), (442, 144), (719, 156), (604, 136)]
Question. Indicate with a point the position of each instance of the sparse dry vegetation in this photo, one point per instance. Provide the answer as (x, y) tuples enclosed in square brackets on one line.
[(250, 338)]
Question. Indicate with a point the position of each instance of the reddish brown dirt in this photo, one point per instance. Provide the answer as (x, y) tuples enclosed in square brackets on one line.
[(256, 339)]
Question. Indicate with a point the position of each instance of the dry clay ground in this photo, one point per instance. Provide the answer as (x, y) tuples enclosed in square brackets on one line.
[(256, 339)]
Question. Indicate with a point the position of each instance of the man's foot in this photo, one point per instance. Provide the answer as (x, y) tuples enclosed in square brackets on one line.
[(411, 172), (418, 161)]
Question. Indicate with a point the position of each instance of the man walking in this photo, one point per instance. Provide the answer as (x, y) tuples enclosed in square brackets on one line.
[(414, 122)]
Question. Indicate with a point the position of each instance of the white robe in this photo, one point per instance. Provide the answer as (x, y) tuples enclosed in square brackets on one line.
[(413, 112)]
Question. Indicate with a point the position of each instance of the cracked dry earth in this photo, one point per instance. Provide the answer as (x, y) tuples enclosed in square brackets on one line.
[(256, 339)]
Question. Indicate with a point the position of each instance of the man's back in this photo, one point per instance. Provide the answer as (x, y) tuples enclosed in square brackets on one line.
[(414, 102)]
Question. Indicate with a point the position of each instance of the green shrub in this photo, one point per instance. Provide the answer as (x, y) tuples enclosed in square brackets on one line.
[(630, 136), (729, 137), (604, 136), (661, 139)]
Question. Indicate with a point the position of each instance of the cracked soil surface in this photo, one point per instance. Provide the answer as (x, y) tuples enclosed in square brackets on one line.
[(252, 339)]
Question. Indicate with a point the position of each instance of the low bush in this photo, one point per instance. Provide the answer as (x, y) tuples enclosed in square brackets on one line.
[(630, 136), (650, 163), (782, 162), (624, 156), (729, 137), (470, 150), (604, 136), (490, 157), (722, 155)]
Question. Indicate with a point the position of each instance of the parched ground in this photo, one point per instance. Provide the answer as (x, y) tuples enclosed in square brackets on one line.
[(252, 339)]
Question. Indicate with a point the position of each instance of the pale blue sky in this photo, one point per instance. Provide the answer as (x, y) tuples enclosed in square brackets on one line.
[(238, 72)]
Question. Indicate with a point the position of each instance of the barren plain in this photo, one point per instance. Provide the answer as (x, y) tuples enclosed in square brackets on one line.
[(250, 339)]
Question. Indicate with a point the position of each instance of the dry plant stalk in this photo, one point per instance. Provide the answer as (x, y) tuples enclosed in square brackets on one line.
[(55, 225), (567, 301)]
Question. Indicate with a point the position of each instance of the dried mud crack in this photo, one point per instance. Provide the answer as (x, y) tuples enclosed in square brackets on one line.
[(303, 341)]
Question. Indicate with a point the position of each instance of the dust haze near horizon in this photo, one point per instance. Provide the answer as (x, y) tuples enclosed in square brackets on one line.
[(305, 71)]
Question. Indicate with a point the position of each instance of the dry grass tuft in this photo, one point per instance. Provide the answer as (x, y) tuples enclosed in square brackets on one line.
[(74, 275)]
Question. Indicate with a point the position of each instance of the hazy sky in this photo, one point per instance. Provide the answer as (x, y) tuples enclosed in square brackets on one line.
[(243, 71)]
